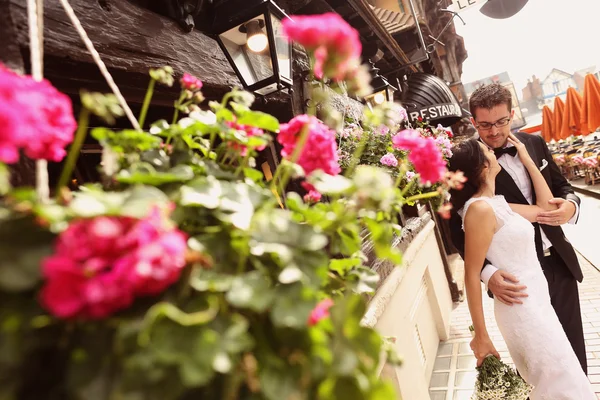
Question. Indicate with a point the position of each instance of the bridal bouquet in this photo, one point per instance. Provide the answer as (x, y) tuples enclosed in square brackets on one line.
[(496, 380)]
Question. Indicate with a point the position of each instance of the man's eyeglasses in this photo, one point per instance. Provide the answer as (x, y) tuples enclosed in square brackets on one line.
[(486, 126)]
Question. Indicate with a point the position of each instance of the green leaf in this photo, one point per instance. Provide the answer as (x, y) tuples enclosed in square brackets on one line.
[(23, 245), (253, 174), (342, 266), (141, 199), (330, 185), (367, 280), (203, 191), (179, 173), (225, 115), (252, 290), (126, 141), (346, 388), (293, 307), (255, 118), (382, 391), (280, 383), (204, 280)]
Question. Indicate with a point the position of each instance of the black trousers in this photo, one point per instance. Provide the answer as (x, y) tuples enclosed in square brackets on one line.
[(564, 295)]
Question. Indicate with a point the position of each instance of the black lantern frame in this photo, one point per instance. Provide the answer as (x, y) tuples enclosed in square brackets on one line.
[(262, 72), (383, 91)]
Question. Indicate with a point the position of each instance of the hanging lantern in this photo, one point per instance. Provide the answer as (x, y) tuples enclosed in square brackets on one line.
[(250, 33), (383, 91)]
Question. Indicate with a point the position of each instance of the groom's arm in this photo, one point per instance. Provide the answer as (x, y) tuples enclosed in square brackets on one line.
[(561, 188)]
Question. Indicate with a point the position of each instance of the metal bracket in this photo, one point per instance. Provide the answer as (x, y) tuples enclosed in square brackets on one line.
[(431, 47)]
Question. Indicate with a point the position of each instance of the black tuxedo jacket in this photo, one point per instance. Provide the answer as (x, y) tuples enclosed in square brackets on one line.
[(506, 187)]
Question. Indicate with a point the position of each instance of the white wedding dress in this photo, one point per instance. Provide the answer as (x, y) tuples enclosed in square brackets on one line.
[(533, 334)]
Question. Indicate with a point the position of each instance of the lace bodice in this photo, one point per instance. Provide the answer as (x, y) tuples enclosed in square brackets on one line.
[(513, 244)]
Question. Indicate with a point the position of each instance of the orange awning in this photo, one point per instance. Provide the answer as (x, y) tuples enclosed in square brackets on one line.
[(532, 129), (571, 120), (559, 106), (590, 106), (547, 124)]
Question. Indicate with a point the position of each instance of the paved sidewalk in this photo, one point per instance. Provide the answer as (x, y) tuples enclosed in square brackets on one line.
[(454, 371)]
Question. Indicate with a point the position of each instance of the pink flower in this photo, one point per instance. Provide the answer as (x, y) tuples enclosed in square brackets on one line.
[(321, 311), (444, 210), (382, 130), (190, 82), (335, 45), (446, 130), (320, 149), (455, 180), (410, 175), (402, 114), (101, 264), (423, 154), (312, 197), (35, 117), (389, 159), (445, 145), (249, 131)]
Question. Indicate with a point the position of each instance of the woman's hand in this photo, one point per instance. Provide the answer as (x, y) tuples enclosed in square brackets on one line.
[(521, 150), (483, 347)]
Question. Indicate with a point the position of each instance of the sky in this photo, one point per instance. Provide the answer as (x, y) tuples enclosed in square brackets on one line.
[(545, 34)]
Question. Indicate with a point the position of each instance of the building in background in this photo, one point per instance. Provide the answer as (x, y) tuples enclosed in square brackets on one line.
[(556, 84), (532, 97), (579, 76), (503, 79)]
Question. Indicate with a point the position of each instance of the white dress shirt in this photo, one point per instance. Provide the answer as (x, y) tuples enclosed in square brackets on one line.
[(518, 173)]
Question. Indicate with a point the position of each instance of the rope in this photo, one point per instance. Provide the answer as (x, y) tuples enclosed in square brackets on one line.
[(35, 12), (90, 46)]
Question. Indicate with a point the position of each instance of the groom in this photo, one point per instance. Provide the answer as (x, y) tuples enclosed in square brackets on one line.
[(491, 107)]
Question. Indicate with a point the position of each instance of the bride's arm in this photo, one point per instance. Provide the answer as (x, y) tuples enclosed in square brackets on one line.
[(543, 194), (480, 225)]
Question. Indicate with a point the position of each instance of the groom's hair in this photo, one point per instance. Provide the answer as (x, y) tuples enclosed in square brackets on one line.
[(469, 158), (490, 96)]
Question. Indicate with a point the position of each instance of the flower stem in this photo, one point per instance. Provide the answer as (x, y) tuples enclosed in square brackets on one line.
[(401, 174), (80, 135), (243, 163), (177, 105), (422, 196), (408, 186), (146, 103), (355, 160)]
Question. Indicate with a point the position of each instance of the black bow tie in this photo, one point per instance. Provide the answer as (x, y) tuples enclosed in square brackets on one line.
[(512, 151)]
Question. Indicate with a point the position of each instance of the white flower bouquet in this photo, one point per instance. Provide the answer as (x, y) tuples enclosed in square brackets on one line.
[(498, 381)]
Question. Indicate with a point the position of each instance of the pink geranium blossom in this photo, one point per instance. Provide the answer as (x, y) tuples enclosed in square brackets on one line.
[(320, 312), (312, 196), (389, 159), (35, 117), (334, 44), (424, 154), (320, 149), (190, 82), (249, 132), (101, 264)]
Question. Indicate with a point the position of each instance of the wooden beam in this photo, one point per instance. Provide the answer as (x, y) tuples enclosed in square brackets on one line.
[(130, 40), (10, 54), (364, 10)]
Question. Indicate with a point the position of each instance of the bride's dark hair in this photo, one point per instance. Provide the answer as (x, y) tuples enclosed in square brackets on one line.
[(469, 158)]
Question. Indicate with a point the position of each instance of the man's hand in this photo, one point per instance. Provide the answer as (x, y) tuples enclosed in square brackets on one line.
[(566, 210), (505, 288)]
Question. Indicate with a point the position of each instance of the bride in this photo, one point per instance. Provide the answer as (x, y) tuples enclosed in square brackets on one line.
[(503, 234)]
